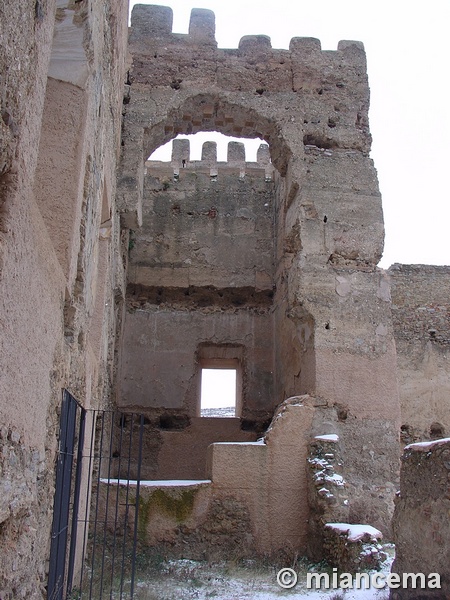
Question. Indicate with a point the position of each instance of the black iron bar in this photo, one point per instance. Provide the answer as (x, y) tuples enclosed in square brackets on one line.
[(58, 551), (116, 515), (105, 524), (94, 538), (136, 509), (126, 505), (93, 414), (76, 500)]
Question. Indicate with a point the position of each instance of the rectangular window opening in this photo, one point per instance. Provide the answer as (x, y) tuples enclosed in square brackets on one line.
[(218, 392)]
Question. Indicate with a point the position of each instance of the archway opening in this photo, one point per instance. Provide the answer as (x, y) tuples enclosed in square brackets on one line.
[(213, 113)]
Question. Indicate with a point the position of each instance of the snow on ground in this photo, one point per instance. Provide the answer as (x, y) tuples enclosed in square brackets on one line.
[(189, 580), (259, 442)]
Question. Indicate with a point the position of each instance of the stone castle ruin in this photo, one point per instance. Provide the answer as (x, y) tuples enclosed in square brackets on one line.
[(123, 277)]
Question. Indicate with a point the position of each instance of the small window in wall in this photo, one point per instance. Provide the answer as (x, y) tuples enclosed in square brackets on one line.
[(218, 393)]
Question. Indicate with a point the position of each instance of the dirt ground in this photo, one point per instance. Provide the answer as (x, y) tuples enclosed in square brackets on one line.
[(189, 580)]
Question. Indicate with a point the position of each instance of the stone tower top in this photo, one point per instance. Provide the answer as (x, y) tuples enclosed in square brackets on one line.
[(156, 22), (302, 100)]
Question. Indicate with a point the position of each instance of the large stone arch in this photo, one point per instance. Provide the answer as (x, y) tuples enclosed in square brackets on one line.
[(152, 122), (223, 113)]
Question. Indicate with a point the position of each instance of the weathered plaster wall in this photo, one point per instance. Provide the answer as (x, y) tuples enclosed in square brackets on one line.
[(421, 524), (264, 477), (61, 168), (420, 314), (26, 356), (160, 358), (200, 274), (43, 346)]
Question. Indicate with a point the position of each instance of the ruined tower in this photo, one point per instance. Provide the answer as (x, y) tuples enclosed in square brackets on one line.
[(275, 269)]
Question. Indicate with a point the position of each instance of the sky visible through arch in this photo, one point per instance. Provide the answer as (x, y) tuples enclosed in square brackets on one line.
[(407, 55)]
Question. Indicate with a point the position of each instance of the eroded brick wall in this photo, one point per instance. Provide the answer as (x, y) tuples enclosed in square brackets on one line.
[(421, 523), (421, 318), (56, 328)]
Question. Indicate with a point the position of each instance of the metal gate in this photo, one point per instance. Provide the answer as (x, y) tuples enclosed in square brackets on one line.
[(96, 505)]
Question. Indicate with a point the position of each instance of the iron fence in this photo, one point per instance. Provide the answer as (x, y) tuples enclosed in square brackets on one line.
[(96, 505)]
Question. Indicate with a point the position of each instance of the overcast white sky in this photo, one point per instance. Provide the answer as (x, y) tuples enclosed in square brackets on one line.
[(408, 59)]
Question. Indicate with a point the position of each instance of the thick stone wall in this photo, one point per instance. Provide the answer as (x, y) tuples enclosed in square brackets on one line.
[(421, 523), (61, 98), (420, 314), (28, 339), (200, 273)]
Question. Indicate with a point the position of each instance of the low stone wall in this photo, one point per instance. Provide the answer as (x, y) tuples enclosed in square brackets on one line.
[(327, 492), (179, 518), (352, 548), (421, 518), (254, 501)]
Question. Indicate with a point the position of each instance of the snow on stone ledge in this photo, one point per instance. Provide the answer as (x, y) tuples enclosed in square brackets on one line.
[(260, 442), (156, 483), (355, 532), (330, 437), (426, 446)]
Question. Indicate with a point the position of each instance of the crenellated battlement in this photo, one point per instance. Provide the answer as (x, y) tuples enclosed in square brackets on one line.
[(236, 160), (296, 99), (156, 23), (329, 88)]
